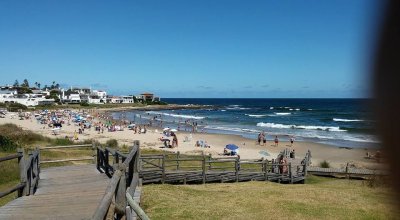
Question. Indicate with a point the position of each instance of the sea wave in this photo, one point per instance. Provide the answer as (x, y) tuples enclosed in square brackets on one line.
[(282, 113), (346, 120), (237, 108), (255, 116), (307, 127), (221, 128), (176, 115)]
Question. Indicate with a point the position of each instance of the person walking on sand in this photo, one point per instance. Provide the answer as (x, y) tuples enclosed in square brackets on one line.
[(264, 139), (174, 140), (291, 141), (276, 141)]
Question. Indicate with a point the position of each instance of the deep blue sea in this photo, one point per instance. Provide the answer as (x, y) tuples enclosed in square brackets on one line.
[(339, 122)]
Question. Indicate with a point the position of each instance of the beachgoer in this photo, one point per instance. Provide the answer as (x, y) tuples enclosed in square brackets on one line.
[(259, 139), (226, 152), (292, 154), (264, 137), (174, 140), (276, 141), (291, 141)]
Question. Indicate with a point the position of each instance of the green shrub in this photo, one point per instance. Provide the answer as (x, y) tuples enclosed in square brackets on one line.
[(325, 164), (62, 141), (84, 104), (14, 107), (20, 136), (112, 143), (7, 145)]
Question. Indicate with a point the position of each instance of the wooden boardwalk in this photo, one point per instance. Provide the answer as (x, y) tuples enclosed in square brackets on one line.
[(68, 192)]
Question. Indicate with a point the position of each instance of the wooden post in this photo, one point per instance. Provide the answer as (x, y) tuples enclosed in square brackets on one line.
[(116, 158), (128, 212), (204, 168), (120, 198), (347, 171), (98, 159), (22, 173), (163, 168), (290, 173), (106, 164), (30, 173), (177, 160), (266, 169), (305, 169), (209, 163), (237, 169)]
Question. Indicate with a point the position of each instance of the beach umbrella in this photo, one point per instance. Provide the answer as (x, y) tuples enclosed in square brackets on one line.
[(231, 147), (174, 130), (165, 129), (264, 152)]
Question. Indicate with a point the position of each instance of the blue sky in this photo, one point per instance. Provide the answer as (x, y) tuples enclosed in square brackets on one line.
[(180, 48)]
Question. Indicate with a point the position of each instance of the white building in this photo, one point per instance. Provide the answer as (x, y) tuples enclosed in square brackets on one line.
[(25, 99)]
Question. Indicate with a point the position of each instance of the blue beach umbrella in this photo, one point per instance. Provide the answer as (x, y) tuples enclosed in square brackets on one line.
[(231, 147)]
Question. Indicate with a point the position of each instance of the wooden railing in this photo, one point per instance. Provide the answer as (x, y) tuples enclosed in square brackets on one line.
[(89, 157), (29, 169), (177, 168), (124, 174)]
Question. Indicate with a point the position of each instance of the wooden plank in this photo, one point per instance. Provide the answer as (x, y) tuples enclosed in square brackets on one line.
[(62, 189), (66, 160), (13, 189), (67, 146), (10, 157)]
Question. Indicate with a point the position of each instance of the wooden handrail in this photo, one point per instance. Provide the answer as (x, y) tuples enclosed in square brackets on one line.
[(10, 157), (67, 146), (139, 211), (125, 177)]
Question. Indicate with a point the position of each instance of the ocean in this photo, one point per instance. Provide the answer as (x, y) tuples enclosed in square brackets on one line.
[(338, 122)]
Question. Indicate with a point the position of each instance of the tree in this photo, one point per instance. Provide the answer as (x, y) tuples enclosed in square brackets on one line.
[(57, 86), (38, 85), (25, 83), (16, 83)]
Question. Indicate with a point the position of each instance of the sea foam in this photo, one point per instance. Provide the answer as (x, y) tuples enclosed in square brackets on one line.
[(346, 120), (282, 113), (307, 127), (255, 116), (176, 115)]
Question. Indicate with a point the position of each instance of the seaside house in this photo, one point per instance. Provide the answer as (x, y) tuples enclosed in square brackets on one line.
[(114, 99), (147, 96), (70, 97), (127, 99), (25, 99)]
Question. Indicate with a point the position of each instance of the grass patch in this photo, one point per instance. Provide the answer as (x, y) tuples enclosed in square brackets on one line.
[(326, 198)]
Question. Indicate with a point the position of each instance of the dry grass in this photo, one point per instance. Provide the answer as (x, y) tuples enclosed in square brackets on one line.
[(323, 198)]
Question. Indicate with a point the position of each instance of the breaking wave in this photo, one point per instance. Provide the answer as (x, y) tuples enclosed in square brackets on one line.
[(307, 127), (346, 120)]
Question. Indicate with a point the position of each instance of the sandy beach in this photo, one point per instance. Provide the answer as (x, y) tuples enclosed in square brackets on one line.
[(249, 149)]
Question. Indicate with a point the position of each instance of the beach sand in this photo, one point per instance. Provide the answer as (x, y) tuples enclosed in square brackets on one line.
[(337, 157)]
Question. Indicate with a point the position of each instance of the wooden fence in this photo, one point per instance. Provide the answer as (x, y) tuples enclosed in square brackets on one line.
[(124, 185), (29, 169), (90, 157), (175, 168)]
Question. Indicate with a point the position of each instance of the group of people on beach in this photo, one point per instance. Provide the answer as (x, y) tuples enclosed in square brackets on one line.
[(262, 140)]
